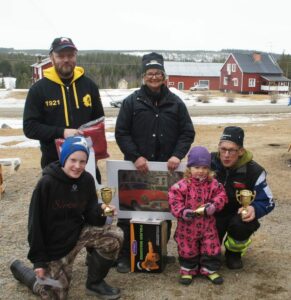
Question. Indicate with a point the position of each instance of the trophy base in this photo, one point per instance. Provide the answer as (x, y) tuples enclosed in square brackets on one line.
[(243, 213), (108, 214)]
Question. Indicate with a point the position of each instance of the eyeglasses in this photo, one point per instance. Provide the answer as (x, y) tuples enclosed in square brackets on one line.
[(157, 75), (230, 151)]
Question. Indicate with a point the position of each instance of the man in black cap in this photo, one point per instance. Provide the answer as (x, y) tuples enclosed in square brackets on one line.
[(153, 124), (237, 171), (60, 102)]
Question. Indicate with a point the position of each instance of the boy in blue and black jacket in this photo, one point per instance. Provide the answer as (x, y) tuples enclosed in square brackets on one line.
[(236, 170)]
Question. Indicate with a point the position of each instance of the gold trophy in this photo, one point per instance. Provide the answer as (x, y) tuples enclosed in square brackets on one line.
[(245, 198), (106, 194), (200, 210)]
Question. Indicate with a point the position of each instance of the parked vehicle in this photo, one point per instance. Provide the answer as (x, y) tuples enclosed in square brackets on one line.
[(116, 103), (199, 87), (140, 196)]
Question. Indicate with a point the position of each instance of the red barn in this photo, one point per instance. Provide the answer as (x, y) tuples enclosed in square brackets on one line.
[(39, 67), (253, 73), (183, 75)]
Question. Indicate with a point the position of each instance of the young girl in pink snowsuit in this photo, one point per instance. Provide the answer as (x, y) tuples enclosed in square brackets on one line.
[(196, 233)]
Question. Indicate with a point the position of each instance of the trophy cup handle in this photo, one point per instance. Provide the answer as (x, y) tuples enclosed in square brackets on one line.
[(253, 196), (237, 195)]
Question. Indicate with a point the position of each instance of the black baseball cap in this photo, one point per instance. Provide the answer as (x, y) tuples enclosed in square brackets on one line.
[(61, 43)]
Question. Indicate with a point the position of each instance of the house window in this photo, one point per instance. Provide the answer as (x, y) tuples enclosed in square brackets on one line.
[(204, 82), (228, 68), (180, 85), (233, 68), (252, 82), (225, 81), (235, 81), (171, 83)]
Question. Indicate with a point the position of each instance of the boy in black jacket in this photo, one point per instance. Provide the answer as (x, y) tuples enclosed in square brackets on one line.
[(64, 217)]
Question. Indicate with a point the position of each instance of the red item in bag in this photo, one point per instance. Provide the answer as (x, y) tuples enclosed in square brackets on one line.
[(94, 132)]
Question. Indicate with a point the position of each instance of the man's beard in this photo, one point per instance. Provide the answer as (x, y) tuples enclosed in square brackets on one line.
[(66, 72)]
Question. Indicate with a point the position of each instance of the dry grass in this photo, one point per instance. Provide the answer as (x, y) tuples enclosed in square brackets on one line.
[(11, 132), (18, 94)]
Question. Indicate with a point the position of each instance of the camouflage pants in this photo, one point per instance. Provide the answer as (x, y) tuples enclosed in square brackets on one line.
[(106, 240)]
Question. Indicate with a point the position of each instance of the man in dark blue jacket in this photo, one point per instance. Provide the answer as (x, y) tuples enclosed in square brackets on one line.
[(153, 124), (237, 171)]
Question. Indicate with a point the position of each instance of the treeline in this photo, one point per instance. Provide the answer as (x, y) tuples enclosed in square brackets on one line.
[(106, 69), (284, 62), (18, 66)]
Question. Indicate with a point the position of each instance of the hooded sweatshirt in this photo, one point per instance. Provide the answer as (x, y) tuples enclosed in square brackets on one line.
[(59, 209), (51, 107)]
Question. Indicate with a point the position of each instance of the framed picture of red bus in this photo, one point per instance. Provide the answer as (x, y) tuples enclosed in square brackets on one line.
[(139, 195)]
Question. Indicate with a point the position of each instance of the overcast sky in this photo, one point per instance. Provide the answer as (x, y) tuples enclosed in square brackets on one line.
[(148, 25)]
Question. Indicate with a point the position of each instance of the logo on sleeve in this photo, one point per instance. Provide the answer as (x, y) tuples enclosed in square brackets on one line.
[(87, 101)]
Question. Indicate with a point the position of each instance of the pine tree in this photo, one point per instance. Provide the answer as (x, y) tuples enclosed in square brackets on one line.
[(5, 68), (2, 83), (284, 62)]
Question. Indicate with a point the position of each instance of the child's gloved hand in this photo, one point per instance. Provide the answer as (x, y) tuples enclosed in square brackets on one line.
[(188, 214), (210, 209)]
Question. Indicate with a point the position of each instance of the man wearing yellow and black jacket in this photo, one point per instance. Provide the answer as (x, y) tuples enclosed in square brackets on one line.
[(61, 102)]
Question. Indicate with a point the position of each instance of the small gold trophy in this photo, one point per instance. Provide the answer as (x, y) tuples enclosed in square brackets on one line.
[(200, 210), (106, 194), (245, 198)]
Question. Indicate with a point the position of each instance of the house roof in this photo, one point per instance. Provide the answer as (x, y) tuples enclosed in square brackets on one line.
[(192, 69), (275, 78), (267, 64), (42, 63)]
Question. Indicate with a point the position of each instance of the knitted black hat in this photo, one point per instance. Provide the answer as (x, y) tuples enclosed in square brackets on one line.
[(234, 134), (61, 43), (152, 61)]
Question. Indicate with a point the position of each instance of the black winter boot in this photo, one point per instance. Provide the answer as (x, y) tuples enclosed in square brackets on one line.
[(103, 291), (123, 265), (233, 260), (23, 274), (98, 268)]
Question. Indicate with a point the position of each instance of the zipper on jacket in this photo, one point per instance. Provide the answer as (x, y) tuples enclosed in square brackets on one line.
[(70, 111), (65, 101), (226, 177)]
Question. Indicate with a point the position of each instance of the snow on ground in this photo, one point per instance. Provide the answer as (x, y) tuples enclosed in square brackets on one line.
[(108, 95), (9, 82)]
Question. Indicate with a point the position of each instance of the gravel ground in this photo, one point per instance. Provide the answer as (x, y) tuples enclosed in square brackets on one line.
[(267, 269)]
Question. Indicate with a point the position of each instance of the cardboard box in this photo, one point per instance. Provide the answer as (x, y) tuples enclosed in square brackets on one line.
[(148, 240)]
